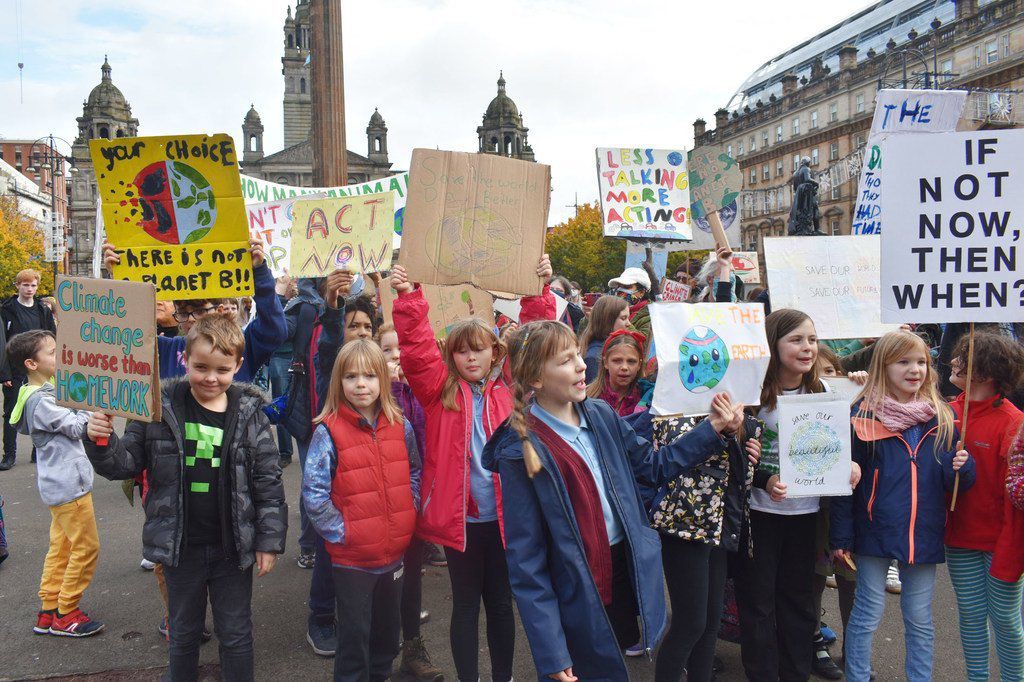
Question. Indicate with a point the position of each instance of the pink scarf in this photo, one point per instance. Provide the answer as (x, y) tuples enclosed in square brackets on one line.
[(898, 417)]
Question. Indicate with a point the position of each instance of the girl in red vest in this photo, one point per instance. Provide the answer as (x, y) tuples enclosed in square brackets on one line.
[(465, 395), (360, 487), (985, 534)]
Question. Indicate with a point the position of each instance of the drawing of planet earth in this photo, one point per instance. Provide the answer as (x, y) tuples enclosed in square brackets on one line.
[(703, 359), (475, 240), (814, 448), (177, 202), (727, 214), (78, 387)]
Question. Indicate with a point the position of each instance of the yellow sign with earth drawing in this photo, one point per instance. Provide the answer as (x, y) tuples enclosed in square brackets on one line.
[(355, 232), (172, 207)]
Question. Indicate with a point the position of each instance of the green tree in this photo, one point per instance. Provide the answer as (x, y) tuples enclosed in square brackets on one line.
[(21, 246), (580, 252)]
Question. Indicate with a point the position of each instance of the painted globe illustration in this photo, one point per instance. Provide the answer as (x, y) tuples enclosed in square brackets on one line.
[(476, 240), (177, 202), (675, 158), (703, 359), (78, 387), (814, 448)]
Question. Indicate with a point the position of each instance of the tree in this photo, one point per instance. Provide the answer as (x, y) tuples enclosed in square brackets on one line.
[(580, 252), (21, 246)]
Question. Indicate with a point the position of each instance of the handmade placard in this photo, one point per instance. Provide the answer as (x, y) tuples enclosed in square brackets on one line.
[(644, 193), (106, 347), (447, 305), (745, 265), (704, 349), (353, 232), (673, 291), (172, 206), (814, 445), (271, 223), (715, 180)]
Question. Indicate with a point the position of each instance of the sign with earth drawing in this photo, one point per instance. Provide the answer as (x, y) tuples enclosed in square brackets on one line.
[(106, 347), (814, 444), (704, 349), (644, 193), (172, 207)]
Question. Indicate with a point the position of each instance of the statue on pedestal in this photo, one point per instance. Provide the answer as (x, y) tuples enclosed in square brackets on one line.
[(804, 218)]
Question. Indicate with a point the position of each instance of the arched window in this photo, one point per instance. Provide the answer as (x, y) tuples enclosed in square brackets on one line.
[(494, 144), (120, 133), (252, 142), (105, 133), (302, 86), (290, 41), (376, 144)]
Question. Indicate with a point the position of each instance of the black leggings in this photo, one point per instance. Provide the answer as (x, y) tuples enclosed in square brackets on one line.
[(695, 574), (412, 590), (481, 572)]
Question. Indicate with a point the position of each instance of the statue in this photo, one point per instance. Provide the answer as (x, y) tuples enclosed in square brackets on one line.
[(804, 219)]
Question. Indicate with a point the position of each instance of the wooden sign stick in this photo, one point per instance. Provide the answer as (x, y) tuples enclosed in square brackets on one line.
[(717, 230), (967, 409)]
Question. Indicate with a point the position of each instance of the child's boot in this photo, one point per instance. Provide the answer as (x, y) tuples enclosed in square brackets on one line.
[(416, 661)]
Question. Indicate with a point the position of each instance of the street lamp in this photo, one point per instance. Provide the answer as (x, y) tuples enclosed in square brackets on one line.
[(54, 162)]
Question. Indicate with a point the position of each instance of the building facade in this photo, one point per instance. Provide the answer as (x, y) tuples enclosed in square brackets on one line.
[(817, 99), (502, 131), (29, 158)]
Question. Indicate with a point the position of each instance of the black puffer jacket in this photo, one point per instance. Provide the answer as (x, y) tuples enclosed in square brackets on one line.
[(253, 505)]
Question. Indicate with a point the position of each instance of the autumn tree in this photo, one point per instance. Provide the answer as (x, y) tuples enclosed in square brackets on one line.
[(580, 252), (21, 246)]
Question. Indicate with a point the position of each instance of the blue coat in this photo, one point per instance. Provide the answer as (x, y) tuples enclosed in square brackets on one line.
[(898, 510), (593, 359), (558, 600)]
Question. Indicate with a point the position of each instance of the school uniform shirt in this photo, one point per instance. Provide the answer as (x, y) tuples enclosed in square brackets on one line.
[(581, 440), (481, 484), (204, 440), (760, 499)]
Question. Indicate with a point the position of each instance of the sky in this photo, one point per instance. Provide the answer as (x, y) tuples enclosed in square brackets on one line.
[(584, 73)]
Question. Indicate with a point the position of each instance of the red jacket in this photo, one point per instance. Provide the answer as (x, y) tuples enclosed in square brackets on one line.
[(444, 490), (371, 489), (985, 519)]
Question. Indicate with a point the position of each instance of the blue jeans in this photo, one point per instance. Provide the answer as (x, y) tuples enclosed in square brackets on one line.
[(279, 381), (204, 570), (868, 606), (321, 587)]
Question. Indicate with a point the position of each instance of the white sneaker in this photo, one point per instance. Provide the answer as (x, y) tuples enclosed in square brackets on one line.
[(147, 565), (892, 580)]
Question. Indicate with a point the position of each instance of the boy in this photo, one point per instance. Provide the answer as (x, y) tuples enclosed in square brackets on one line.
[(215, 505), (65, 479)]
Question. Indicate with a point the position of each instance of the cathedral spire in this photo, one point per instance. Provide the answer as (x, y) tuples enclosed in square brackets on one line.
[(501, 82), (105, 69)]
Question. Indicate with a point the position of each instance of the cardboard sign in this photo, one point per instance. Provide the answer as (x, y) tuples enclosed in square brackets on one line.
[(672, 290), (745, 265), (814, 445), (476, 219), (704, 349), (107, 358), (644, 193), (899, 112), (510, 309), (448, 305), (951, 250), (354, 232), (835, 280), (704, 238), (173, 208), (715, 180)]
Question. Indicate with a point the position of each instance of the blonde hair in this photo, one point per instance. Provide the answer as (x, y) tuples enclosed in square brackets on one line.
[(531, 346), (596, 387), (220, 331), (360, 354), (892, 348), (469, 333), (386, 328)]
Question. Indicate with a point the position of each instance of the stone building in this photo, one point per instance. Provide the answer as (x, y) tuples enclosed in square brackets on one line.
[(817, 99), (502, 131), (29, 158)]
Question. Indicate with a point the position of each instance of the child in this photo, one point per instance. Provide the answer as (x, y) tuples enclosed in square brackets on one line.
[(465, 397), (361, 490), (215, 505), (985, 533), (582, 559), (620, 381), (903, 439), (609, 314), (65, 484)]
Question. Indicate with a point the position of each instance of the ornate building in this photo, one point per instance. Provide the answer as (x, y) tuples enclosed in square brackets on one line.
[(502, 131), (105, 114), (817, 99)]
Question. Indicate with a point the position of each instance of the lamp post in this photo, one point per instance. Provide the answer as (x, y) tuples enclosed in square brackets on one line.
[(54, 162)]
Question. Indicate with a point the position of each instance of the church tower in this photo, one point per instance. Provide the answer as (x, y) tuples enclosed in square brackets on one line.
[(295, 67), (377, 139), (252, 131), (502, 131)]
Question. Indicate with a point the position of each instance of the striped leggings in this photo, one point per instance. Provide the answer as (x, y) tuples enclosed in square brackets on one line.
[(982, 599)]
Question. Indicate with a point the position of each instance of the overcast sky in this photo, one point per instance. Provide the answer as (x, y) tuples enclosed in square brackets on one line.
[(585, 73)]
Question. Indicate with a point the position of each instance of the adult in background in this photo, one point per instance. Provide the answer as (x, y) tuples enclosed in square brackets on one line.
[(573, 315), (286, 288), (20, 313), (634, 287)]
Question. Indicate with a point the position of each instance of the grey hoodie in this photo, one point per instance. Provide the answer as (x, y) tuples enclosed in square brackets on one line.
[(63, 471)]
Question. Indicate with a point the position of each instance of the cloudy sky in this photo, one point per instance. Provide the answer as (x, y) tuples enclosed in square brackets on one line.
[(585, 73)]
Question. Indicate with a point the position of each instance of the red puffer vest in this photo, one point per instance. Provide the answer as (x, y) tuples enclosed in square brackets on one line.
[(371, 489)]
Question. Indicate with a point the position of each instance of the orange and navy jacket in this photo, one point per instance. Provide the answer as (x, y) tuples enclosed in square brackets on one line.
[(898, 510)]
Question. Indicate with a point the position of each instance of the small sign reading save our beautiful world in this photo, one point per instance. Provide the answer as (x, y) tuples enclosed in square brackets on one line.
[(814, 444)]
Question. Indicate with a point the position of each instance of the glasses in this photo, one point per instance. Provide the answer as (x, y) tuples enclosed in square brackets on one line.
[(195, 314)]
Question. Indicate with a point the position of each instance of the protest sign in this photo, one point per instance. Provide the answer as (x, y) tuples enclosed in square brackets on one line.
[(898, 112), (842, 387), (644, 193), (950, 248), (814, 445), (745, 265), (447, 305), (672, 290), (106, 347), (835, 280), (707, 348), (476, 219), (271, 223), (353, 232), (715, 183), (704, 236), (510, 309)]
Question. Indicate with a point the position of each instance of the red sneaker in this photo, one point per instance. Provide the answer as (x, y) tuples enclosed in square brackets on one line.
[(43, 622), (75, 624)]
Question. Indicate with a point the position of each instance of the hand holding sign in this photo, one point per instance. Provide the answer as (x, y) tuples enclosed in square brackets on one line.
[(99, 427)]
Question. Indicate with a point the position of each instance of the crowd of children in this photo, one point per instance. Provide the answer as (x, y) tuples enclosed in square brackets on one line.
[(528, 452)]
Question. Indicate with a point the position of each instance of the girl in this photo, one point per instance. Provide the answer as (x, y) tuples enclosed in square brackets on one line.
[(465, 396), (582, 559), (904, 439), (361, 489), (610, 314), (620, 381), (985, 533), (774, 582)]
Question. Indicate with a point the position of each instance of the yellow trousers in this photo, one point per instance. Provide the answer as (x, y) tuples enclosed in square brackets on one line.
[(71, 559)]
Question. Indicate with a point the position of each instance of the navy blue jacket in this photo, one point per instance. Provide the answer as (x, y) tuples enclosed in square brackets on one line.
[(559, 604), (262, 337), (593, 359), (898, 510)]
